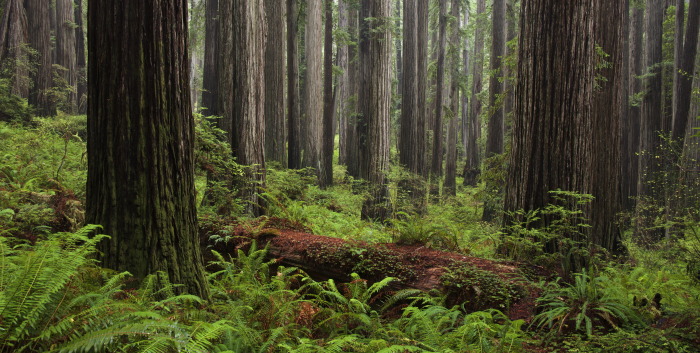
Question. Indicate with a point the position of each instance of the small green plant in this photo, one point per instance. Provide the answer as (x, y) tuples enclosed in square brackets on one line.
[(582, 306), (419, 230)]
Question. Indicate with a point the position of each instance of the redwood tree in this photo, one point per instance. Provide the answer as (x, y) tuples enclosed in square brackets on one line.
[(473, 160), (275, 132), (13, 36), (39, 29), (140, 183), (559, 141)]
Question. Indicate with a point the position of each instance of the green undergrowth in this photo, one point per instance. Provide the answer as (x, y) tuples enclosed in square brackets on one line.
[(55, 298)]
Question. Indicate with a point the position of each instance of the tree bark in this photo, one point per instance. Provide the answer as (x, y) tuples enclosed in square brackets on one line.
[(631, 158), (328, 135), (685, 73), (13, 56), (39, 29), (422, 18), (377, 107), (556, 133), (450, 185), (437, 158), (242, 90), (472, 166), (140, 185), (353, 141), (494, 138), (341, 99), (275, 136), (293, 108), (313, 115), (81, 61), (66, 53), (651, 124), (210, 82)]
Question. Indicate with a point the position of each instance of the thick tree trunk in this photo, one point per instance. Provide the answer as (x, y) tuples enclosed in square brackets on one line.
[(13, 37), (649, 193), (437, 158), (66, 53), (39, 29), (275, 136), (450, 185), (472, 166), (313, 115), (422, 19), (140, 185), (377, 108), (210, 79), (328, 135), (293, 107), (556, 134)]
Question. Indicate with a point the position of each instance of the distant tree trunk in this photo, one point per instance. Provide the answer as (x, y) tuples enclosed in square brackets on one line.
[(649, 193), (81, 61), (450, 185), (473, 162), (314, 86), (464, 121), (556, 134), (140, 184), (631, 158), (210, 79), (275, 137), (293, 107), (341, 99), (436, 160), (13, 37), (494, 137), (377, 107), (399, 49), (328, 135), (66, 52), (242, 76), (422, 19), (353, 142), (363, 95), (39, 29), (685, 73), (509, 72)]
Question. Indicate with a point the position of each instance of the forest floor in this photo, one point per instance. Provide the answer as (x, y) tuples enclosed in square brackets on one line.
[(414, 266)]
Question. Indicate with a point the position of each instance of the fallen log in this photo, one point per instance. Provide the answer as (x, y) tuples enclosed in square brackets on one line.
[(474, 283)]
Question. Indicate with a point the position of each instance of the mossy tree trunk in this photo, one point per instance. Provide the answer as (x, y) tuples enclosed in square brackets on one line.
[(140, 183)]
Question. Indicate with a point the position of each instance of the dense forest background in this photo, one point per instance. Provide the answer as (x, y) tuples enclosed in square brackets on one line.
[(349, 176)]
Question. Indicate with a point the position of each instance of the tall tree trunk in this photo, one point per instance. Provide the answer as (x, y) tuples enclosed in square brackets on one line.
[(363, 96), (377, 107), (81, 61), (341, 99), (66, 52), (464, 121), (328, 136), (509, 72), (422, 19), (353, 141), (210, 81), (13, 37), (556, 135), (140, 185), (685, 73), (436, 160), (450, 185), (494, 137), (313, 115), (275, 137), (242, 90), (473, 162), (631, 158), (293, 107), (39, 28), (649, 193)]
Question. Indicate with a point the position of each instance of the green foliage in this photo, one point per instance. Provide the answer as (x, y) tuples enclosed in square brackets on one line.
[(477, 289), (419, 230), (12, 107), (582, 306)]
